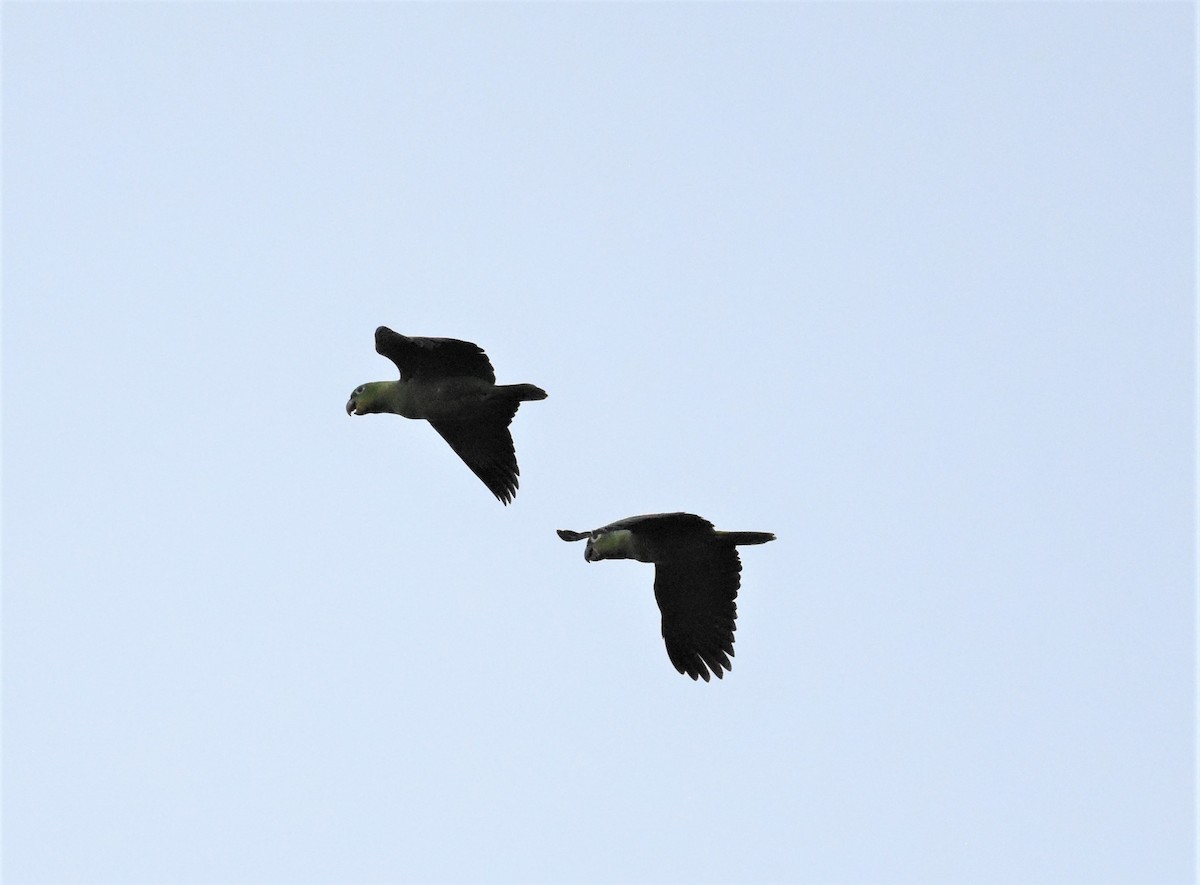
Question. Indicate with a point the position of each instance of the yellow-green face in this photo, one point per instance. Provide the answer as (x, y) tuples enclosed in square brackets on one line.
[(366, 399), (609, 545)]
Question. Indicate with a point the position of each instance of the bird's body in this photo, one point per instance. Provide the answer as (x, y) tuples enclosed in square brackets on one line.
[(451, 384), (444, 399), (696, 579)]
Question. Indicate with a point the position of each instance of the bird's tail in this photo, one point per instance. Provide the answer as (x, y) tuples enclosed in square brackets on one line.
[(737, 538), (523, 392)]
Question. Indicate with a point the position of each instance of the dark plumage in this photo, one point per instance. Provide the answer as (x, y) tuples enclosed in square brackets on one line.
[(451, 384), (697, 573)]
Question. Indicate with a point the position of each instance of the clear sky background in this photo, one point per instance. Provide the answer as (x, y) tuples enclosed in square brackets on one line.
[(910, 286)]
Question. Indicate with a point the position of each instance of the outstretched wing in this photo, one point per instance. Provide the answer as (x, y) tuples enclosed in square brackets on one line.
[(486, 446), (697, 599), (665, 527), (433, 357)]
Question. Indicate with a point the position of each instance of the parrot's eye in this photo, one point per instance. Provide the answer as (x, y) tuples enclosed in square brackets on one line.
[(359, 389)]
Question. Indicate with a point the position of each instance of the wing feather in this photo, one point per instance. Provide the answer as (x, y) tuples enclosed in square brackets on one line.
[(697, 597), (486, 446), (665, 527), (433, 357)]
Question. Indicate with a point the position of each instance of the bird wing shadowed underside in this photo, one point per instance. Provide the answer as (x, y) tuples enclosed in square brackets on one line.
[(433, 357), (486, 446), (697, 599)]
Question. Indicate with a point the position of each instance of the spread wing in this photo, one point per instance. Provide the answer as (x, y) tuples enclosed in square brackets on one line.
[(697, 599), (486, 446), (665, 527), (433, 357)]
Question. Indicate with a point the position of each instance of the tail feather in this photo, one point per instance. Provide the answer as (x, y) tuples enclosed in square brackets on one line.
[(738, 538)]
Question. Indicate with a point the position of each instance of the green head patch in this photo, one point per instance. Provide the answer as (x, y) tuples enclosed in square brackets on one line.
[(369, 398), (609, 545)]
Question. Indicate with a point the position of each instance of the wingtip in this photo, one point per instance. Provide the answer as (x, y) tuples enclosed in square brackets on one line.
[(385, 336)]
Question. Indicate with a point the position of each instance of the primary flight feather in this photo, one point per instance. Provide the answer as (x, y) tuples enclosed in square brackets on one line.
[(451, 384), (697, 573)]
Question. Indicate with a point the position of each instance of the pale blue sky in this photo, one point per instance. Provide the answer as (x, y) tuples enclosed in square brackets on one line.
[(911, 286)]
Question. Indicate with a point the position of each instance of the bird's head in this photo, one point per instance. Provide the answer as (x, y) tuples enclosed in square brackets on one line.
[(602, 544), (607, 545), (367, 399)]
